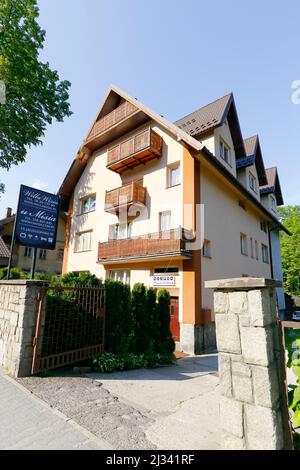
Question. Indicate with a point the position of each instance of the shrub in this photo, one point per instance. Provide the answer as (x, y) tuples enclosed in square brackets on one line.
[(165, 343), (15, 273), (140, 322), (76, 279), (118, 317), (109, 362)]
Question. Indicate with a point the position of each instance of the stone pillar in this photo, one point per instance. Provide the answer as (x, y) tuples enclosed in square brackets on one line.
[(253, 404), (18, 314)]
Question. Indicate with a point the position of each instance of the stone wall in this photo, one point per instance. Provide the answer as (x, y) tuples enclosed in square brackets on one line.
[(18, 313), (253, 406)]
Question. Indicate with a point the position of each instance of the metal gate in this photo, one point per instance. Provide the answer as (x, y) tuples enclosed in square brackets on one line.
[(70, 326)]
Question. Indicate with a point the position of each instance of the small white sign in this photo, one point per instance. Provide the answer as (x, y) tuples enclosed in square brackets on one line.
[(164, 280)]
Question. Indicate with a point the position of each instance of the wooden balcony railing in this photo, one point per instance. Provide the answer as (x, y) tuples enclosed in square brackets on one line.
[(172, 243), (140, 148), (119, 114), (125, 196)]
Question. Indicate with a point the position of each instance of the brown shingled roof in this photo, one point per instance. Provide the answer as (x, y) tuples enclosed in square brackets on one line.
[(273, 185), (4, 251), (205, 118), (250, 145)]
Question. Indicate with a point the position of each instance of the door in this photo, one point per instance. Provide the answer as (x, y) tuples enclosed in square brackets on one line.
[(174, 312)]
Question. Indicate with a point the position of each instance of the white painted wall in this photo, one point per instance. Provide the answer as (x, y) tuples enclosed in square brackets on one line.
[(243, 176), (224, 220), (96, 178)]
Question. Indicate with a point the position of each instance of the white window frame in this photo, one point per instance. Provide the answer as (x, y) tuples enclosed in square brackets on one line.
[(265, 253), (85, 245), (273, 203), (264, 226), (42, 254), (206, 249), (256, 250), (27, 252), (252, 182), (161, 215), (122, 275), (251, 248), (116, 235), (170, 169), (91, 201), (223, 149), (243, 244)]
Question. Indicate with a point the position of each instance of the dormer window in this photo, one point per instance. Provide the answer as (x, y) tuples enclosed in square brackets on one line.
[(252, 182), (225, 153)]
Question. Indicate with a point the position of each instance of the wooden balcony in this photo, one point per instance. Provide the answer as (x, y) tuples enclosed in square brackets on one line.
[(125, 196), (151, 246), (123, 119), (138, 149)]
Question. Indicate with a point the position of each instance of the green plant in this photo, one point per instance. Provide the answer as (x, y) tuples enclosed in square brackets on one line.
[(15, 273), (292, 341), (109, 362), (165, 342)]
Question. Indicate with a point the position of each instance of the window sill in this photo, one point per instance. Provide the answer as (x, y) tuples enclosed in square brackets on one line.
[(174, 186), (83, 251), (85, 213), (207, 256), (245, 254)]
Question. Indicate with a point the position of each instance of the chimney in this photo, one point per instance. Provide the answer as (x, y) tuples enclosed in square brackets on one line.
[(8, 212)]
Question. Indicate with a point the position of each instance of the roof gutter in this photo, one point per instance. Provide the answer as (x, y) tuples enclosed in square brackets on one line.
[(212, 160)]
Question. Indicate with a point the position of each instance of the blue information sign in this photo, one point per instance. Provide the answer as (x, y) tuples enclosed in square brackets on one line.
[(37, 218)]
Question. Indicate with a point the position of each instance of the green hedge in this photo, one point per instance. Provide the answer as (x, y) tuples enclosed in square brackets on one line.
[(136, 321)]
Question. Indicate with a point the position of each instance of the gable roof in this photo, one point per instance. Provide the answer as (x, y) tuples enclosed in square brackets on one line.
[(111, 100), (253, 157), (80, 161), (204, 120), (7, 220), (4, 251), (273, 185)]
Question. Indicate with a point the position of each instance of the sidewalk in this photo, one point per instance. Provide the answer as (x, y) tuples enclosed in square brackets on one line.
[(26, 423)]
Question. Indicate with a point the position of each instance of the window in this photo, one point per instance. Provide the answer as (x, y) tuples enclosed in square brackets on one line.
[(273, 203), (244, 244), (265, 253), (251, 247), (164, 221), (60, 254), (206, 249), (225, 153), (119, 231), (256, 250), (166, 271), (264, 226), (120, 275), (27, 252), (252, 182), (43, 254), (173, 175), (88, 204), (84, 241)]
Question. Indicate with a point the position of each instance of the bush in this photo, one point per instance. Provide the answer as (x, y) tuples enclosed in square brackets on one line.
[(118, 318), (15, 273), (76, 279), (165, 343), (109, 362)]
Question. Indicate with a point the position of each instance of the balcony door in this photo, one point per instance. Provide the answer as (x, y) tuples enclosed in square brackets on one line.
[(120, 231), (164, 221)]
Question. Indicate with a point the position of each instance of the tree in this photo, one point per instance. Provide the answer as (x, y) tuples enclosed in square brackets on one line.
[(290, 248), (34, 94)]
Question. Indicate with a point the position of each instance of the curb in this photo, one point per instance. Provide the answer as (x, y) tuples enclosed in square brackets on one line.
[(100, 442)]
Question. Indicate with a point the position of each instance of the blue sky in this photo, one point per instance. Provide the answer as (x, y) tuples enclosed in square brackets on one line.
[(174, 56)]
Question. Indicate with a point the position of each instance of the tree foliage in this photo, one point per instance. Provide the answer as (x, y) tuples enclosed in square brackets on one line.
[(34, 93), (290, 248)]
